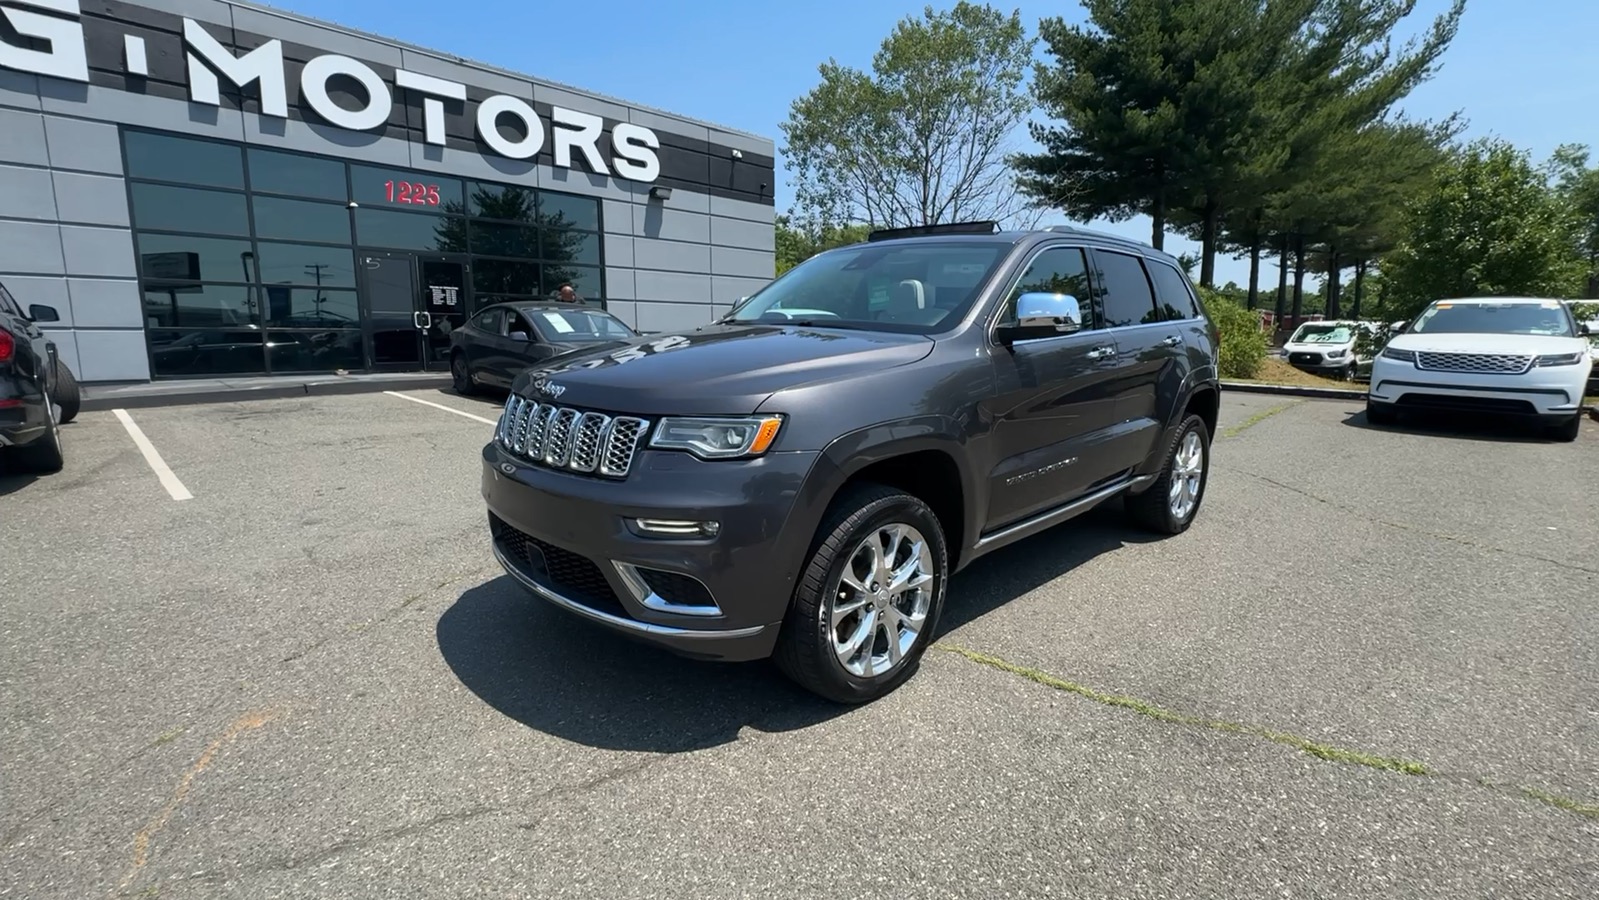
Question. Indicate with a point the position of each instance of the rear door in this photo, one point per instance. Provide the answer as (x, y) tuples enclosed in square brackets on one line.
[(1149, 346), (1053, 412), (480, 343)]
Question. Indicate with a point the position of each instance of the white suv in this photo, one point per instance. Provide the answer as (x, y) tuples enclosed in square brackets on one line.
[(1503, 355), (1328, 348)]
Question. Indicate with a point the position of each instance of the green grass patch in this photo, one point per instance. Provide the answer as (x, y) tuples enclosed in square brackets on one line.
[(1257, 418)]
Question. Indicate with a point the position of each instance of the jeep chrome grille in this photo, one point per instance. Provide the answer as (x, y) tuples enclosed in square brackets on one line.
[(565, 438), (1478, 363)]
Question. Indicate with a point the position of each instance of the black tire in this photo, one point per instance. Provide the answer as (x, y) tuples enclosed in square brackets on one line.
[(805, 650), (43, 456), (1381, 413), (1568, 430), (1152, 509), (65, 392), (461, 375)]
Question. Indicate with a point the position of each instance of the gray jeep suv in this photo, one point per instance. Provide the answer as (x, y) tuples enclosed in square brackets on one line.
[(800, 478)]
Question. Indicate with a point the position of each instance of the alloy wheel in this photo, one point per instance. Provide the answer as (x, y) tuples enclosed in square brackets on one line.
[(882, 600), (1187, 473)]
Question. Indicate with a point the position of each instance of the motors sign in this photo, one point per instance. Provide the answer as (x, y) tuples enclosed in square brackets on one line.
[(58, 50)]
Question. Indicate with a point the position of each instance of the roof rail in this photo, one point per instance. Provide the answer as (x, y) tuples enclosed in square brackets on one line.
[(1098, 235), (984, 227)]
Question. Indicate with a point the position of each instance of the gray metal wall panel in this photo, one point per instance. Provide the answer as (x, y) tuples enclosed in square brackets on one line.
[(83, 146), (105, 303), (31, 248), (104, 252), (91, 199), (106, 355), (655, 220), (19, 90), (26, 193), (743, 263), (673, 287), (49, 290), (22, 138), (743, 233), (671, 256)]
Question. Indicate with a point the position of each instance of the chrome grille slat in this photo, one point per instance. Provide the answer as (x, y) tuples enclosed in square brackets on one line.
[(572, 439), (1474, 363)]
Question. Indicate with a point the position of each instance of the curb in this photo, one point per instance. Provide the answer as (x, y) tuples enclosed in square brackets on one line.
[(1288, 390), (264, 392)]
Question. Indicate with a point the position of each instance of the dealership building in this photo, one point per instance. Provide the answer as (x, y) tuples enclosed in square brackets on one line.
[(204, 188)]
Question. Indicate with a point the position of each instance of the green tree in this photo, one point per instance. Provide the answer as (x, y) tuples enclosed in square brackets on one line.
[(1577, 185), (796, 244), (1491, 225), (522, 231), (923, 137)]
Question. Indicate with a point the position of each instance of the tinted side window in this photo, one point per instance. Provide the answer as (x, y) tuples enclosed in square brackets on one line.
[(1061, 270), (1172, 295), (489, 321), (1127, 297)]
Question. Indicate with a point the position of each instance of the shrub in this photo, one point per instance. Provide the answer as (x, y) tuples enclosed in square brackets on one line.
[(1243, 343)]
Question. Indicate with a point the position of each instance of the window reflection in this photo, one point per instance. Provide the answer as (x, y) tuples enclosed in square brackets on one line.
[(232, 351), (188, 209), (197, 305), (301, 220), (503, 201), (570, 211), (309, 307), (169, 158), (493, 239), (314, 351), (300, 176), (410, 231), (496, 276), (583, 279), (306, 264), (404, 189), (175, 260), (562, 246)]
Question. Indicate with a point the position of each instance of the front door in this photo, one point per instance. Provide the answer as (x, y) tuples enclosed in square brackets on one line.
[(444, 300), (1054, 407), (390, 300)]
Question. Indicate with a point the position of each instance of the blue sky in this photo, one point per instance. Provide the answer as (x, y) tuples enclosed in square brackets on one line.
[(1516, 70)]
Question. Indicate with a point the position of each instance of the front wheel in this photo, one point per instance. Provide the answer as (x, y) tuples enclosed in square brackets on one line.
[(461, 375), (869, 600), (1381, 413), (1569, 429), (1169, 505)]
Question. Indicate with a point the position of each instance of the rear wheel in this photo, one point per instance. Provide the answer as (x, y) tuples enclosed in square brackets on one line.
[(869, 600), (1381, 413), (44, 456), (1169, 505), (461, 375), (65, 392)]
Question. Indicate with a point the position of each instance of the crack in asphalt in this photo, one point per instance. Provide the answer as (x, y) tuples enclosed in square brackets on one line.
[(1366, 516), (1306, 745)]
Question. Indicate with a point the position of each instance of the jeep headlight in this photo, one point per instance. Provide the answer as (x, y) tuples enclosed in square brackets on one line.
[(717, 437), (1560, 359)]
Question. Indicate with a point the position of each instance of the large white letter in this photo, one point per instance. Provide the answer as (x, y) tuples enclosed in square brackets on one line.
[(434, 92), (66, 57), (314, 88), (583, 132), (635, 148), (263, 65), (488, 127)]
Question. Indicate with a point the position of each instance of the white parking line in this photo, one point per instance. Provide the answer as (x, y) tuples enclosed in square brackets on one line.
[(158, 465), (443, 407)]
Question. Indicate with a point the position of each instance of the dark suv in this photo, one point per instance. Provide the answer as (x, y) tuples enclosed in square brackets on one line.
[(37, 392), (800, 478)]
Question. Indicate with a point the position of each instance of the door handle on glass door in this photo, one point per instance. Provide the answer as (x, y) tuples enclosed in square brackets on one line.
[(1102, 352), (422, 320)]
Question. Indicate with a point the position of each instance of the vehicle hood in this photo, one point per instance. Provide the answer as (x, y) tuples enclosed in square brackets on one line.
[(717, 369), (1514, 344), (1314, 346)]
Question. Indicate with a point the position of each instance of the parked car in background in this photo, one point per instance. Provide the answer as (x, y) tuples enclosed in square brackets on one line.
[(37, 391), (1515, 356), (502, 340), (1330, 348)]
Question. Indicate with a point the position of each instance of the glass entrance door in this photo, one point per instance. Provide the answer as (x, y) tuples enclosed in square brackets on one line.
[(392, 313), (444, 300)]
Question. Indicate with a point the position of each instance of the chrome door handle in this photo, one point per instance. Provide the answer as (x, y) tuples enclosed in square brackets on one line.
[(1102, 353), (422, 320), (1171, 341)]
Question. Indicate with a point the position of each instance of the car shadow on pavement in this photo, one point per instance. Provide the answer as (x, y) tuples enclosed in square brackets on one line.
[(1487, 429), (493, 397), (570, 679), (567, 678), (1014, 571), (11, 482)]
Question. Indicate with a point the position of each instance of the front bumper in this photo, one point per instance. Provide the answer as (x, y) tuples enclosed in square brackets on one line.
[(1553, 392), (567, 538), (1312, 361)]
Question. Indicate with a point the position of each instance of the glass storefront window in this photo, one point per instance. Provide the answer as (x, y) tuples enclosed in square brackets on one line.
[(163, 157), (401, 189), (309, 307), (198, 354), (495, 239), (503, 201), (198, 306), (170, 208), (563, 247), (298, 176), (500, 276), (306, 264), (583, 279), (569, 211), (301, 220), (410, 231), (176, 260), (314, 351)]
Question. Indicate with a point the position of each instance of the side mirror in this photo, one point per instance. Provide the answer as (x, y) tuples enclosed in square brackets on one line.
[(1585, 330), (38, 312), (1041, 315), (1401, 328), (518, 336)]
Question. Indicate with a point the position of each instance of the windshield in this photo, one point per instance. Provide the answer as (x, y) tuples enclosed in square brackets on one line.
[(1322, 334), (1488, 317), (570, 325), (920, 288)]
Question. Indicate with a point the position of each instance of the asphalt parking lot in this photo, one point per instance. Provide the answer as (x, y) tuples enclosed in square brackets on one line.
[(291, 668)]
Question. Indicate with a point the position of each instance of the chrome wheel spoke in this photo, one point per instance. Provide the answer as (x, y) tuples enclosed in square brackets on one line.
[(885, 590), (1187, 472), (843, 610)]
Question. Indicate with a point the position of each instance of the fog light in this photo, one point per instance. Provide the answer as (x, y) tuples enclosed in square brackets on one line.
[(674, 527)]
